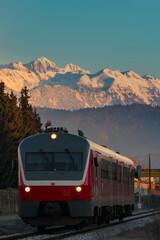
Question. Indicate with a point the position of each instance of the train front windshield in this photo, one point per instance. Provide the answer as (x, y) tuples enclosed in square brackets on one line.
[(62, 159), (44, 161)]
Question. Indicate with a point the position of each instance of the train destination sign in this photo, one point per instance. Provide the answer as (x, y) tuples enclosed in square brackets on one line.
[(154, 172)]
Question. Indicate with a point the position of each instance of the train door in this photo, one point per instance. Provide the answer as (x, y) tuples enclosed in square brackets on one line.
[(111, 184), (93, 176), (130, 183), (122, 184), (99, 183)]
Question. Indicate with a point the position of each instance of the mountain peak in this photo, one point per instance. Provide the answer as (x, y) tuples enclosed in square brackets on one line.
[(41, 65), (16, 66), (43, 60), (115, 73), (148, 77), (74, 69), (131, 74)]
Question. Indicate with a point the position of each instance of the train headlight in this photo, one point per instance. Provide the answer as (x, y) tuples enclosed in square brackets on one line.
[(27, 189), (53, 136), (78, 189)]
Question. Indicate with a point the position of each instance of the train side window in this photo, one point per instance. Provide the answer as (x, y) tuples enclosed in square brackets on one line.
[(114, 172), (104, 169), (95, 161), (132, 175), (108, 169), (126, 173), (119, 173)]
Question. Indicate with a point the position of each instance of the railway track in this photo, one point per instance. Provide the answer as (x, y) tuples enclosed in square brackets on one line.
[(63, 232)]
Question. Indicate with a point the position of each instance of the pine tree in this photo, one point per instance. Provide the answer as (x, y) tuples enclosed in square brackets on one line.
[(32, 122), (13, 98), (10, 135), (2, 88), (16, 122), (38, 124)]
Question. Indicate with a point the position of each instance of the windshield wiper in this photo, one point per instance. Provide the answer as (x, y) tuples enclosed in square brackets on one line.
[(41, 151), (71, 157)]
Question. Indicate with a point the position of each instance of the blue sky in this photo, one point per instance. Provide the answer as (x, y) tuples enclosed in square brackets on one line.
[(94, 34)]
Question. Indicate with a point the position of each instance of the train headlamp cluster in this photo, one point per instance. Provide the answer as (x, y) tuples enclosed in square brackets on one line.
[(27, 189), (78, 189), (53, 136)]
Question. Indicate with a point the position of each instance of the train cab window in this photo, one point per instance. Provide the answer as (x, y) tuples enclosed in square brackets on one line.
[(68, 161), (38, 161), (45, 161), (114, 171)]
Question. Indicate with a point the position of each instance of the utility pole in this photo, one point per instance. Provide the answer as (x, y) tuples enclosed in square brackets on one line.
[(149, 194), (149, 174), (139, 171)]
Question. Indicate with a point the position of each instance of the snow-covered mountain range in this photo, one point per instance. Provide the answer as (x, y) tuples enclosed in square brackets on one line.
[(72, 87)]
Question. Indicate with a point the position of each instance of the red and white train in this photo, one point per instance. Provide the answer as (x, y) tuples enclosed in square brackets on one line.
[(67, 179)]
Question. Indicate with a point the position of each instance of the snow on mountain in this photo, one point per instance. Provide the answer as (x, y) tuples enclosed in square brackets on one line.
[(41, 65), (53, 96), (16, 79), (75, 69), (72, 87)]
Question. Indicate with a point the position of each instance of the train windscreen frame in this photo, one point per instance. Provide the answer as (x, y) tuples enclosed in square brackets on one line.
[(54, 165), (53, 161)]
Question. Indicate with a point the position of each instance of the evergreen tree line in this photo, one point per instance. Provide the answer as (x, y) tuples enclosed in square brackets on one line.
[(18, 120)]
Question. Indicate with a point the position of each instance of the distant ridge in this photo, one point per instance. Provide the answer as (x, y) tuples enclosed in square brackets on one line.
[(73, 88)]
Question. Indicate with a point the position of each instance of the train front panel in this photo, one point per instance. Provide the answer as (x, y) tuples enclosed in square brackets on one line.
[(54, 177)]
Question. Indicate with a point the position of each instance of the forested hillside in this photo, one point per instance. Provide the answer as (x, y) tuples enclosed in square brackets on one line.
[(17, 120), (134, 130)]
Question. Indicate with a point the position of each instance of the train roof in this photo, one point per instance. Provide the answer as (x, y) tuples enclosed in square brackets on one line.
[(98, 148), (110, 153)]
